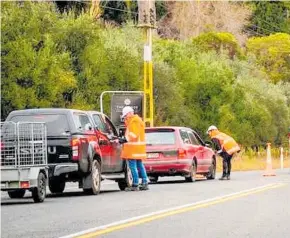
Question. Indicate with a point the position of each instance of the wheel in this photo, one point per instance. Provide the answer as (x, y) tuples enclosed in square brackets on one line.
[(56, 185), (153, 179), (39, 193), (16, 193), (212, 171), (128, 181), (191, 176), (96, 179)]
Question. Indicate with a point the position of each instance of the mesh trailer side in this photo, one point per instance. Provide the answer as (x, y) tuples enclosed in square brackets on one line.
[(32, 144), (8, 151)]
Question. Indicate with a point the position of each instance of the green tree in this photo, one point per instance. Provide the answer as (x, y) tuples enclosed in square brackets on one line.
[(272, 54), (269, 17), (34, 73), (219, 42)]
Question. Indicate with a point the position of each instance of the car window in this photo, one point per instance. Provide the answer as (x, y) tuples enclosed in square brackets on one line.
[(82, 121), (56, 124), (100, 123), (110, 127), (198, 138), (184, 137), (160, 137), (193, 139)]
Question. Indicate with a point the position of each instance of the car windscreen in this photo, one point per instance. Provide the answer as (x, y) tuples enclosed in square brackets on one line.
[(160, 137), (56, 124)]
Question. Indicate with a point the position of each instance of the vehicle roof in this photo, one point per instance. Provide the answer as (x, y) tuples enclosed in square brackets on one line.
[(95, 112), (169, 127), (44, 110)]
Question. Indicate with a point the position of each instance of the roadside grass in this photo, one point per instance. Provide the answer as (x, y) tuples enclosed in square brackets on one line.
[(255, 161)]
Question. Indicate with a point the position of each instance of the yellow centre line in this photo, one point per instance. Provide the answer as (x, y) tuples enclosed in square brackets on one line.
[(176, 211)]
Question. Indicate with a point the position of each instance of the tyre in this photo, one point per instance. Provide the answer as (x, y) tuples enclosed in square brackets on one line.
[(95, 178), (128, 181), (39, 193), (212, 171), (153, 179), (16, 193), (56, 185), (192, 175)]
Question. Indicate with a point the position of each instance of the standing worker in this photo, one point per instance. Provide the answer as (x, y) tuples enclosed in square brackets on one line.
[(134, 148), (226, 146)]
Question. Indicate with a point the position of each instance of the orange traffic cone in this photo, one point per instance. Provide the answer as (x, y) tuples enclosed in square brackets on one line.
[(269, 170)]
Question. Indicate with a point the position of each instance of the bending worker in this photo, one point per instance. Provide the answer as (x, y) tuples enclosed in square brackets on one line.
[(226, 146), (134, 149)]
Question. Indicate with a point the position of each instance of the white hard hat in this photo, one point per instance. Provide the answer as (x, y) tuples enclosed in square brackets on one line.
[(126, 110), (211, 128)]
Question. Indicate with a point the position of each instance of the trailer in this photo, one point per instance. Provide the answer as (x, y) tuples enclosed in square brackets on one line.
[(24, 159)]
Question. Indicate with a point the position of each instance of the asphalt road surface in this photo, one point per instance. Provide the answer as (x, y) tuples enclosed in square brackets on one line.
[(249, 205)]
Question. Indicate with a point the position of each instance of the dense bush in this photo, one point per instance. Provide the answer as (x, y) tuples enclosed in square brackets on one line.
[(52, 59)]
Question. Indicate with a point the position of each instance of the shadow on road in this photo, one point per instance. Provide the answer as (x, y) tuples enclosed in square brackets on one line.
[(177, 181), (28, 200), (78, 194), (11, 202)]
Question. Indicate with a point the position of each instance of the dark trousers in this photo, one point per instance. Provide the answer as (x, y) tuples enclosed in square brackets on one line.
[(227, 165)]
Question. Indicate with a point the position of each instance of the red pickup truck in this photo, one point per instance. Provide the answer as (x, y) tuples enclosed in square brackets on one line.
[(82, 147)]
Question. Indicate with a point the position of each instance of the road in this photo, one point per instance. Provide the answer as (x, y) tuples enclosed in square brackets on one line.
[(249, 205)]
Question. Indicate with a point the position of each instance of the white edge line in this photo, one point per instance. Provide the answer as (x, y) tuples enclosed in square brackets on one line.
[(164, 211)]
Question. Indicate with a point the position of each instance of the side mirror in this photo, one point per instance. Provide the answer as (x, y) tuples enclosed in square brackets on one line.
[(208, 144), (121, 132), (103, 142), (88, 127), (112, 137)]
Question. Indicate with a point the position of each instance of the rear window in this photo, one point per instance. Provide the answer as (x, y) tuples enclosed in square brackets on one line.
[(55, 124), (162, 137)]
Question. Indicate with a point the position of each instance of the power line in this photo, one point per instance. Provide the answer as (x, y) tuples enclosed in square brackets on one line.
[(271, 32), (118, 9), (250, 30), (269, 24)]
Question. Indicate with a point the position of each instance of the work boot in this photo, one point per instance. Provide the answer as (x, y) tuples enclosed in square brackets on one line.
[(228, 177), (144, 186), (133, 188)]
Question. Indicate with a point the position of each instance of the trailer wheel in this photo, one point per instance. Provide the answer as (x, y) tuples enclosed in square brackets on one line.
[(39, 193), (16, 193)]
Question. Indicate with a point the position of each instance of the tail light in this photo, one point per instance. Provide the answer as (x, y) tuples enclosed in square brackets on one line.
[(181, 153), (24, 184), (76, 147)]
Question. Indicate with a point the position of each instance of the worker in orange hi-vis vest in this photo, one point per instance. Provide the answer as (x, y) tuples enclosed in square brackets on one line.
[(134, 148), (226, 146)]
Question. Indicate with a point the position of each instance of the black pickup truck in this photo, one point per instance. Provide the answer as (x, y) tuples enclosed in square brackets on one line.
[(83, 147)]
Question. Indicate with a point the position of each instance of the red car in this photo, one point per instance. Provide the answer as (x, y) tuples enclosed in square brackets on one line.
[(178, 151)]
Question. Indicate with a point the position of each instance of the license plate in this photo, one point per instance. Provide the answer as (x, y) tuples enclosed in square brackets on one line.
[(152, 155)]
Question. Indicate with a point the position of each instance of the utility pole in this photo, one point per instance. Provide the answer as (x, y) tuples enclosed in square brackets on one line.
[(147, 21)]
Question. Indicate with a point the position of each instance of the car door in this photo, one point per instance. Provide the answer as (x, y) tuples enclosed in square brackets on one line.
[(207, 153), (86, 135), (116, 160), (197, 150), (104, 142)]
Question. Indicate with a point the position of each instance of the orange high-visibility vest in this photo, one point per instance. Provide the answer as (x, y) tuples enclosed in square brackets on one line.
[(228, 144), (135, 148)]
